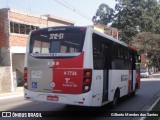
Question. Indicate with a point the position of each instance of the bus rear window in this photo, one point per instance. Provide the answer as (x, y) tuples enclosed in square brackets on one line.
[(57, 42)]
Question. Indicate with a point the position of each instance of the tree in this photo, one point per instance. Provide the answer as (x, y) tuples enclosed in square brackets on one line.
[(149, 44), (150, 19), (130, 17), (104, 15)]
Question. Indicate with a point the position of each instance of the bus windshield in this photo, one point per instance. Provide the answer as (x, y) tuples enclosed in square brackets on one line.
[(57, 41)]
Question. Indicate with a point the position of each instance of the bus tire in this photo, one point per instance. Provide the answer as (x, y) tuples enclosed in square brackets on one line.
[(115, 99)]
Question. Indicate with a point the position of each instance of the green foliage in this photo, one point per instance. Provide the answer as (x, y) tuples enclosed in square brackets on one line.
[(138, 22), (131, 17), (150, 18), (104, 15), (149, 44), (128, 17)]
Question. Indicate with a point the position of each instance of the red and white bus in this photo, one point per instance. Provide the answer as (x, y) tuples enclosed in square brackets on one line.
[(79, 66)]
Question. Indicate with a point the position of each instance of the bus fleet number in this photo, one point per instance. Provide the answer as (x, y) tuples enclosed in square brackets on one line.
[(56, 36), (70, 73)]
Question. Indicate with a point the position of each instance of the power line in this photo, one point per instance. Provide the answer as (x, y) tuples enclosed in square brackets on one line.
[(74, 10), (68, 7)]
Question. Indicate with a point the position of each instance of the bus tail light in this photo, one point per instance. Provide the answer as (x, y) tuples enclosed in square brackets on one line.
[(87, 79), (25, 78)]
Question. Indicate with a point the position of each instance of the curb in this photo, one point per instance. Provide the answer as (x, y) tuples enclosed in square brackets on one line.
[(13, 96), (19, 92)]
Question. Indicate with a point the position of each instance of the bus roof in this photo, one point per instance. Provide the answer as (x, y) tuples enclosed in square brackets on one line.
[(115, 40), (61, 28), (77, 28)]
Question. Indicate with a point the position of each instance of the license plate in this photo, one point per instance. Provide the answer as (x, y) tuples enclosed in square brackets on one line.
[(52, 98)]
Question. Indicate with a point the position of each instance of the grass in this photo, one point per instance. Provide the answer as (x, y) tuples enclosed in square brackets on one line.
[(155, 109)]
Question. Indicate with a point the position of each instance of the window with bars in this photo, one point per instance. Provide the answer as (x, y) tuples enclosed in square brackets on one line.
[(21, 28)]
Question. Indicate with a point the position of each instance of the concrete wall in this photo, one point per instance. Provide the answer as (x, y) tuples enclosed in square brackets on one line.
[(5, 79)]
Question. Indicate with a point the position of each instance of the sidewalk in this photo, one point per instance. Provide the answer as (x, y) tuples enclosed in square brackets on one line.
[(17, 93)]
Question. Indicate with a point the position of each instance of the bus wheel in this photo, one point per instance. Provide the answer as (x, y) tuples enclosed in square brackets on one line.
[(115, 99)]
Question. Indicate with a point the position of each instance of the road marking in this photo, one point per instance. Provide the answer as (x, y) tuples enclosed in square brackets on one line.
[(142, 118)]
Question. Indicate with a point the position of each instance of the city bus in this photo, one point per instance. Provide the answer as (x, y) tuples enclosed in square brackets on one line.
[(79, 66)]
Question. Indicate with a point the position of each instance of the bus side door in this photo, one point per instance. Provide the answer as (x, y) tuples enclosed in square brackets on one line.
[(133, 68), (106, 65)]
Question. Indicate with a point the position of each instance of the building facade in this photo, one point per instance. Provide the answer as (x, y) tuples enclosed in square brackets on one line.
[(107, 30), (14, 29)]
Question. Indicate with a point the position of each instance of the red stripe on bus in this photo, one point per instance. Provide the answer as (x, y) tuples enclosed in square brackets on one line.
[(67, 78), (76, 62)]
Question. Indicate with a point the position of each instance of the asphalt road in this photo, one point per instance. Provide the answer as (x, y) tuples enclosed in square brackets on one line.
[(145, 97)]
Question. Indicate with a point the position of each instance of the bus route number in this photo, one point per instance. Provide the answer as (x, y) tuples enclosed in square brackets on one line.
[(70, 73), (56, 36)]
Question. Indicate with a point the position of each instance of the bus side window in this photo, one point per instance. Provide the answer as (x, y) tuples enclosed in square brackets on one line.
[(127, 62), (97, 52), (117, 57), (98, 62)]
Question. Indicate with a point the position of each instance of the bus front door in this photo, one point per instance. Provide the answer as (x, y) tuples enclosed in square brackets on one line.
[(133, 67)]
